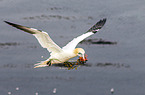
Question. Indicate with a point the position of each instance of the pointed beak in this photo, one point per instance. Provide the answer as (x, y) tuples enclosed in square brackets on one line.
[(83, 59)]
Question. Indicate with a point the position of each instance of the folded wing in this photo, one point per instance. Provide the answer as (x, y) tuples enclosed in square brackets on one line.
[(42, 37), (71, 45)]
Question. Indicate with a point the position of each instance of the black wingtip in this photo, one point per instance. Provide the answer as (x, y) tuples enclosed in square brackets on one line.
[(10, 23), (101, 22), (104, 20), (14, 25), (24, 28), (98, 25), (7, 22)]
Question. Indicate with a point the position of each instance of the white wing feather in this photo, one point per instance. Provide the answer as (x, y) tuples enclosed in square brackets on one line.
[(42, 37), (46, 42), (71, 45)]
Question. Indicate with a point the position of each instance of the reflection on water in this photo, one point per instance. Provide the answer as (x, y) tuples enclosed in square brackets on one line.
[(98, 41), (107, 64), (6, 45), (117, 65), (86, 41), (72, 66), (9, 44), (58, 17)]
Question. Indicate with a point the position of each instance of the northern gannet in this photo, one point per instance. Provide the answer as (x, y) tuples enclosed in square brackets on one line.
[(57, 54)]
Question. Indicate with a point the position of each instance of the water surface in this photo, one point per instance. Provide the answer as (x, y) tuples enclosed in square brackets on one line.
[(119, 66)]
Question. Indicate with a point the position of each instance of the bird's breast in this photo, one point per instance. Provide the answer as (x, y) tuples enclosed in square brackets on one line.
[(62, 57)]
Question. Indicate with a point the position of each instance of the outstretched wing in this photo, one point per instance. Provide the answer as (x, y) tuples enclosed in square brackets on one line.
[(42, 37), (71, 45)]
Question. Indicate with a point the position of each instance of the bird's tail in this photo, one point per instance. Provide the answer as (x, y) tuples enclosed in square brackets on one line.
[(47, 62), (41, 64)]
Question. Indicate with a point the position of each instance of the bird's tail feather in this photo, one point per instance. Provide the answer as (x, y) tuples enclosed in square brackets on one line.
[(41, 64)]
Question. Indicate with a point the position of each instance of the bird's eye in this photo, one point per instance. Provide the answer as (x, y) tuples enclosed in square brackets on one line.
[(80, 53)]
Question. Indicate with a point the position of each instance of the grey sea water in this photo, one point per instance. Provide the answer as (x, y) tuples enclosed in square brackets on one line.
[(120, 66)]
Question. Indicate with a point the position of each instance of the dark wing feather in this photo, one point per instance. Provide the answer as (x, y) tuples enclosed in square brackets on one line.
[(97, 26)]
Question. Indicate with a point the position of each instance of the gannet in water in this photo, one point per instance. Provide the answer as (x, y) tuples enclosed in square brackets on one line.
[(57, 54)]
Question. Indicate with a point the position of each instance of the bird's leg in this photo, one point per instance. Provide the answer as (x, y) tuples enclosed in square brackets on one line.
[(43, 64), (49, 62)]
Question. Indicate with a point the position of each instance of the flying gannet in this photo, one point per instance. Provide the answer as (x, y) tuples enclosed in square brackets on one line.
[(57, 54)]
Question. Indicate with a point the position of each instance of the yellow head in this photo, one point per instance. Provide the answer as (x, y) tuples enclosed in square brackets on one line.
[(79, 52)]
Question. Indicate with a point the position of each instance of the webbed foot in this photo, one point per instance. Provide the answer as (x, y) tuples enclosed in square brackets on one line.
[(49, 62)]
